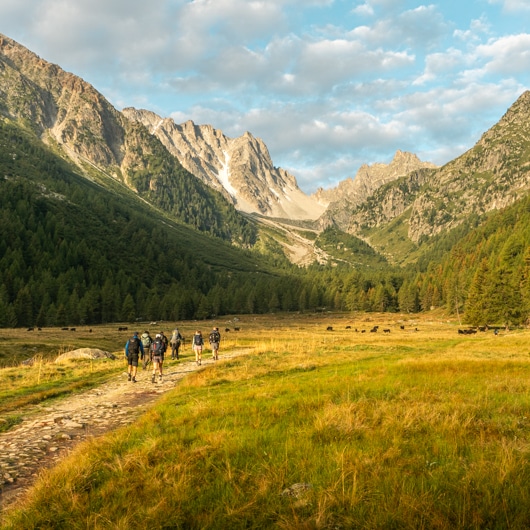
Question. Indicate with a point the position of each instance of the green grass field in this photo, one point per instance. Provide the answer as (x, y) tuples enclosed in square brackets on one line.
[(413, 428)]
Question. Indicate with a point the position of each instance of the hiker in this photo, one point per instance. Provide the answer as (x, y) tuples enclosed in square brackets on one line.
[(133, 349), (175, 341), (197, 344), (146, 343), (164, 340), (215, 339), (158, 349)]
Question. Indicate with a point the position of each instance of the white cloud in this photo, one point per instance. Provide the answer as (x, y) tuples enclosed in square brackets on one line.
[(515, 6), (507, 55), (363, 10)]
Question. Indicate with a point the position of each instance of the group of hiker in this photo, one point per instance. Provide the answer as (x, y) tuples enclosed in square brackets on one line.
[(145, 348)]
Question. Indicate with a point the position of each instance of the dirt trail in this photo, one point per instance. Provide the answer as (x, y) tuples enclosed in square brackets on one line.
[(50, 432)]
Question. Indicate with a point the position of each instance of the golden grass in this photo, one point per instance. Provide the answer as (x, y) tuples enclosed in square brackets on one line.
[(416, 428)]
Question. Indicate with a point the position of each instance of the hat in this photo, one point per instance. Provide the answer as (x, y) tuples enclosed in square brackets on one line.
[(158, 336)]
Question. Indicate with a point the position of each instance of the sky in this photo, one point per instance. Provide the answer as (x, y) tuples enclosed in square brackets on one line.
[(328, 85)]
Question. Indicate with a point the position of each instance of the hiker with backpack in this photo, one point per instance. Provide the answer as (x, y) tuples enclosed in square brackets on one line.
[(164, 340), (133, 350), (215, 339), (146, 343), (197, 344), (176, 339), (158, 349)]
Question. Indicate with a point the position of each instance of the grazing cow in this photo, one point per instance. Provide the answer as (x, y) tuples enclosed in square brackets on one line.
[(64, 329), (469, 331), (329, 328), (401, 327), (30, 329), (386, 331), (348, 327), (236, 329), (124, 328), (90, 330), (227, 330), (72, 329), (374, 329), (363, 331)]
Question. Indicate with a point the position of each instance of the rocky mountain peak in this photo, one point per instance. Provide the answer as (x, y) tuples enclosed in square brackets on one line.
[(240, 168), (352, 192)]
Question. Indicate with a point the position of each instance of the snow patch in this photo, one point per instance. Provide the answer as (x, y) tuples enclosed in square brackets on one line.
[(157, 126), (274, 192), (224, 176)]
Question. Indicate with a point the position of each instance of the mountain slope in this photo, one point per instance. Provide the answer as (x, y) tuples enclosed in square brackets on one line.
[(70, 115), (240, 168), (74, 252), (351, 193), (493, 174)]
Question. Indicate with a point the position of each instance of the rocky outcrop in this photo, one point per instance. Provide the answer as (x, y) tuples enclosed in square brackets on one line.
[(387, 203), (85, 353), (240, 168), (352, 193)]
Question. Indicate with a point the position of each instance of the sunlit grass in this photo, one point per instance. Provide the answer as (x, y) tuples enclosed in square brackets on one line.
[(408, 429)]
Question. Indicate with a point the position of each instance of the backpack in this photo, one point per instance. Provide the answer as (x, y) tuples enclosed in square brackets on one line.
[(134, 345), (146, 340), (197, 340), (175, 338), (158, 347), (215, 336)]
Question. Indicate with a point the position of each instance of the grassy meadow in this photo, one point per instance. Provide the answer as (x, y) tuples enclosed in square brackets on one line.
[(413, 428)]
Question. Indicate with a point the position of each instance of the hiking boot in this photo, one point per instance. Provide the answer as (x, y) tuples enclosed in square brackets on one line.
[(159, 378), (128, 377), (153, 378), (134, 379)]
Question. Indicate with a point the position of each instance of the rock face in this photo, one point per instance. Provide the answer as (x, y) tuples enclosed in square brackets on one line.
[(240, 168), (351, 193)]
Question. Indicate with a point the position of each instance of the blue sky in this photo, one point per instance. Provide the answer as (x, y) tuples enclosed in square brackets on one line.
[(328, 85)]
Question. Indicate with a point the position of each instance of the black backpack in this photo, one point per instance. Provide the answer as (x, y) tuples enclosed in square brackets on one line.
[(134, 345), (158, 347), (197, 340), (215, 336)]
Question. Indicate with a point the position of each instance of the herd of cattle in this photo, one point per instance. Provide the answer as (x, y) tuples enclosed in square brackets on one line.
[(375, 329), (466, 331)]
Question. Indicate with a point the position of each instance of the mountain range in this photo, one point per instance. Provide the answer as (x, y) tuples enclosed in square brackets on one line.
[(228, 189)]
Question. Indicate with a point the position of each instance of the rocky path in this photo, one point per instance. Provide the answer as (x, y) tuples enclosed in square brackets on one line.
[(50, 432)]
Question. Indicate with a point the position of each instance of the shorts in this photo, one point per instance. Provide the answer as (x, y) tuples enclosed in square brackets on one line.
[(158, 359), (214, 345), (132, 360)]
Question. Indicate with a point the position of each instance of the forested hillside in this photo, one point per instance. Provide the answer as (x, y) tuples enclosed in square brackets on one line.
[(486, 275), (73, 252)]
